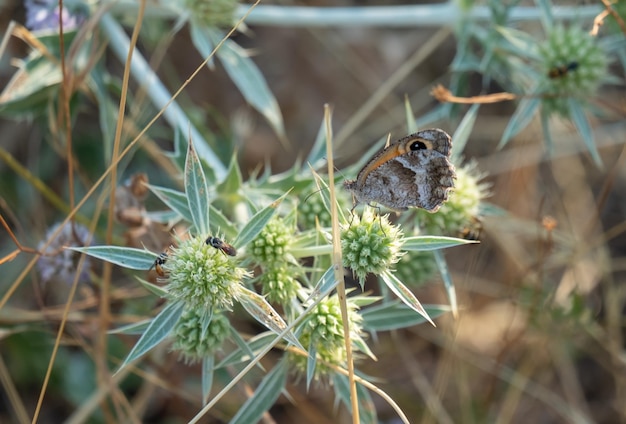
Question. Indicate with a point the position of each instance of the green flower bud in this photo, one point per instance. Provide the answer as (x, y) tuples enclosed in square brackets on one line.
[(194, 339), (370, 244)]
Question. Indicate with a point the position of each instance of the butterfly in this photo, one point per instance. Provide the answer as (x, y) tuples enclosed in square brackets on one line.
[(414, 171)]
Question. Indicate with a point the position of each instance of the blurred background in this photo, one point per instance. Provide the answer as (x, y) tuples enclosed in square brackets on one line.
[(539, 334)]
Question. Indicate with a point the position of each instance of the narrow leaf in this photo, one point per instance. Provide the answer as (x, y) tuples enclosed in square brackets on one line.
[(127, 257), (410, 116), (396, 315), (404, 294), (577, 113), (520, 119), (219, 223), (257, 223), (201, 42), (263, 312), (264, 397), (426, 243), (463, 131), (208, 368), (153, 288), (249, 80), (134, 328), (197, 191), (317, 154), (175, 200), (234, 180), (367, 410), (324, 286), (447, 281), (310, 364), (157, 331)]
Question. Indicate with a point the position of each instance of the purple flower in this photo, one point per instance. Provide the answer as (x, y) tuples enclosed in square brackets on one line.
[(58, 263), (44, 15)]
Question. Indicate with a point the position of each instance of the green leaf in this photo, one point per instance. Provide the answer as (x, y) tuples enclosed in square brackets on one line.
[(463, 132), (233, 181), (208, 368), (396, 315), (256, 224), (201, 42), (263, 312), (134, 328), (317, 155), (426, 243), (106, 110), (324, 193), (246, 350), (126, 257), (175, 200), (367, 410), (547, 20), (153, 288), (404, 294), (249, 80), (220, 224), (547, 137), (518, 43), (324, 286), (520, 119), (579, 118), (311, 362), (447, 281), (264, 397), (31, 87), (158, 330), (410, 116), (197, 191)]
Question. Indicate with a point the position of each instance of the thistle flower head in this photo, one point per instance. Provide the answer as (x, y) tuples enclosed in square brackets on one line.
[(573, 65), (202, 276), (194, 339), (279, 284), (323, 328), (311, 209), (370, 244), (272, 243)]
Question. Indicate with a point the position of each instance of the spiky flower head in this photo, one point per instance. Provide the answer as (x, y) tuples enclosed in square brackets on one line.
[(201, 276), (212, 12), (370, 244), (323, 328), (194, 339), (461, 209), (311, 209), (59, 263), (279, 284), (272, 243), (573, 66)]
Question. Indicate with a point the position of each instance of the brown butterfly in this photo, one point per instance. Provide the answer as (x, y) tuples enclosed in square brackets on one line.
[(414, 171)]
